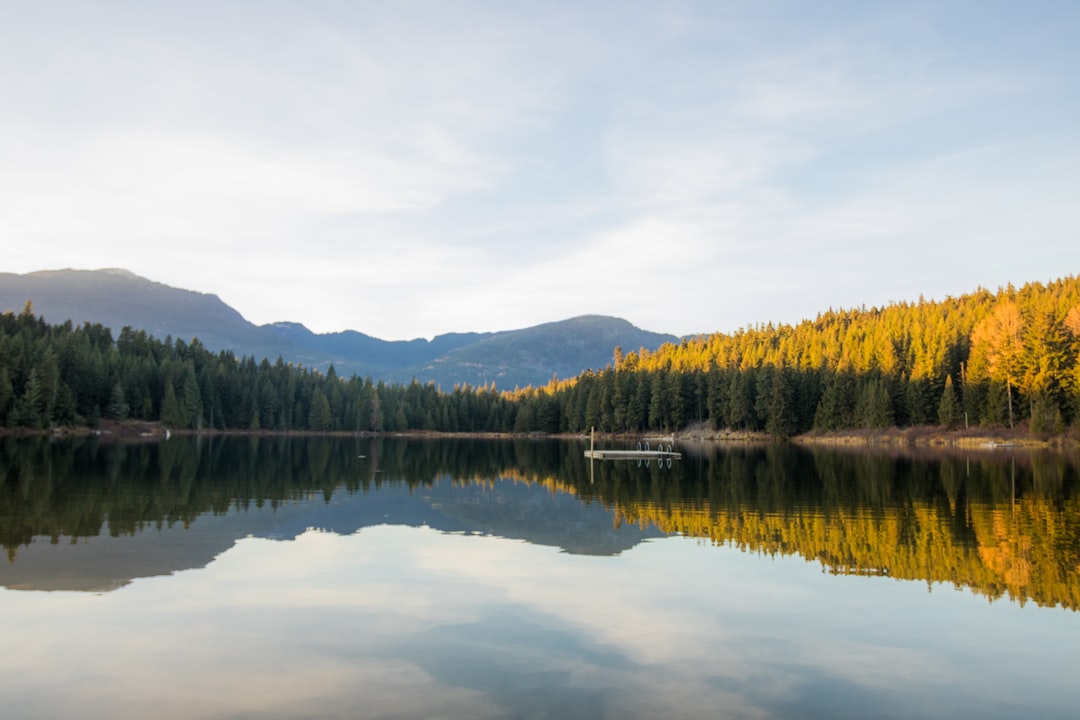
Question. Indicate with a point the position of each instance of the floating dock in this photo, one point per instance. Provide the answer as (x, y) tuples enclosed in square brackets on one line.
[(641, 453), (630, 454)]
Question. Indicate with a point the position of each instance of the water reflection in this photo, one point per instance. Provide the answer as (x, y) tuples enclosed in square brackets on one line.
[(1003, 525), (328, 578)]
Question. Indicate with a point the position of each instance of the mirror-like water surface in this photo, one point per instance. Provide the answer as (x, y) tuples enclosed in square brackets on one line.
[(275, 577)]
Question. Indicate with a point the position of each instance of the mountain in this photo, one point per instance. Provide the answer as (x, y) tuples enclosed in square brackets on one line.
[(529, 356), (116, 298), (385, 358)]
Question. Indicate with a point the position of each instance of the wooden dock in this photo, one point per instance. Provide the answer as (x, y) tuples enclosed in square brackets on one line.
[(631, 454), (641, 453)]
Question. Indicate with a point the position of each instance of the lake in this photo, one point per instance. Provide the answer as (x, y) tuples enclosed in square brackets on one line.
[(392, 578)]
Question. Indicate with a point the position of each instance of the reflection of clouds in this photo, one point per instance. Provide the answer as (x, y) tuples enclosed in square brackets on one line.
[(402, 622), (638, 603), (271, 629)]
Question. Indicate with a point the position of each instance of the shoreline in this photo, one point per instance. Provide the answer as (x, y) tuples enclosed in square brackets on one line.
[(922, 437), (934, 437)]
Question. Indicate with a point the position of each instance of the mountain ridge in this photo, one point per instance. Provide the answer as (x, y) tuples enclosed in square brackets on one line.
[(116, 298)]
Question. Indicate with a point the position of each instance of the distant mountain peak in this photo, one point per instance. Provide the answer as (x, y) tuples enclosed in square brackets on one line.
[(287, 325), (117, 272), (121, 272)]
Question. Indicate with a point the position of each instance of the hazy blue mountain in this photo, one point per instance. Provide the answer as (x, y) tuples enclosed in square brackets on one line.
[(528, 356), (384, 356), (531, 356), (116, 298)]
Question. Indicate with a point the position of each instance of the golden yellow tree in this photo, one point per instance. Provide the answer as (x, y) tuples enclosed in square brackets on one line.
[(1072, 326), (996, 340)]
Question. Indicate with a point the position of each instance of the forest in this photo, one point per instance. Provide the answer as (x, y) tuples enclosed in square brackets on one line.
[(1006, 358)]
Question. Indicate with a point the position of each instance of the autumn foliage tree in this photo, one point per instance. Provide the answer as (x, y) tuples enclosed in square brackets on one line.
[(995, 346)]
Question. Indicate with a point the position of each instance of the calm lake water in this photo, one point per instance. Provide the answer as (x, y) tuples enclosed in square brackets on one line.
[(344, 578)]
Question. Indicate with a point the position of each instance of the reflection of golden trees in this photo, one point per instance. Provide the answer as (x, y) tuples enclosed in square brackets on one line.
[(1007, 552), (1032, 550), (1025, 548), (1002, 528), (1017, 555)]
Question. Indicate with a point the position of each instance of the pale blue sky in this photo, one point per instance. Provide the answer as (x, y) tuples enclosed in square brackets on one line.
[(413, 168)]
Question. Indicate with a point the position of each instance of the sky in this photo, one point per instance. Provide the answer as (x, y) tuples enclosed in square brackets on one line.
[(408, 169)]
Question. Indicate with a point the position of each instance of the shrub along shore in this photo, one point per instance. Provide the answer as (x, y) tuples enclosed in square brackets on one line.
[(925, 437)]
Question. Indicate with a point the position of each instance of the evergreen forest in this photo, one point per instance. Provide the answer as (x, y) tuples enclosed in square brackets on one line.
[(1006, 358)]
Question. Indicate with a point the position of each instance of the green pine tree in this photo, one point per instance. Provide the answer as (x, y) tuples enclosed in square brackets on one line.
[(949, 413), (170, 408), (320, 418)]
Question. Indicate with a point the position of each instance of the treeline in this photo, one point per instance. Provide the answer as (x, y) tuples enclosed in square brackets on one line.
[(54, 375), (986, 358), (1005, 358)]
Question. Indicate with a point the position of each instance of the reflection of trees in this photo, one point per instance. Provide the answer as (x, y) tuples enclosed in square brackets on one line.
[(77, 488), (969, 523), (1000, 528)]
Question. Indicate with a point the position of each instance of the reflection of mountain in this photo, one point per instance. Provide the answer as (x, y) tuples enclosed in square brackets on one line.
[(105, 562), (502, 508), (1000, 527), (507, 509), (538, 516)]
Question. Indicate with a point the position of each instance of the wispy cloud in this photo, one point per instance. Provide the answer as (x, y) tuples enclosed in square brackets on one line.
[(417, 168)]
